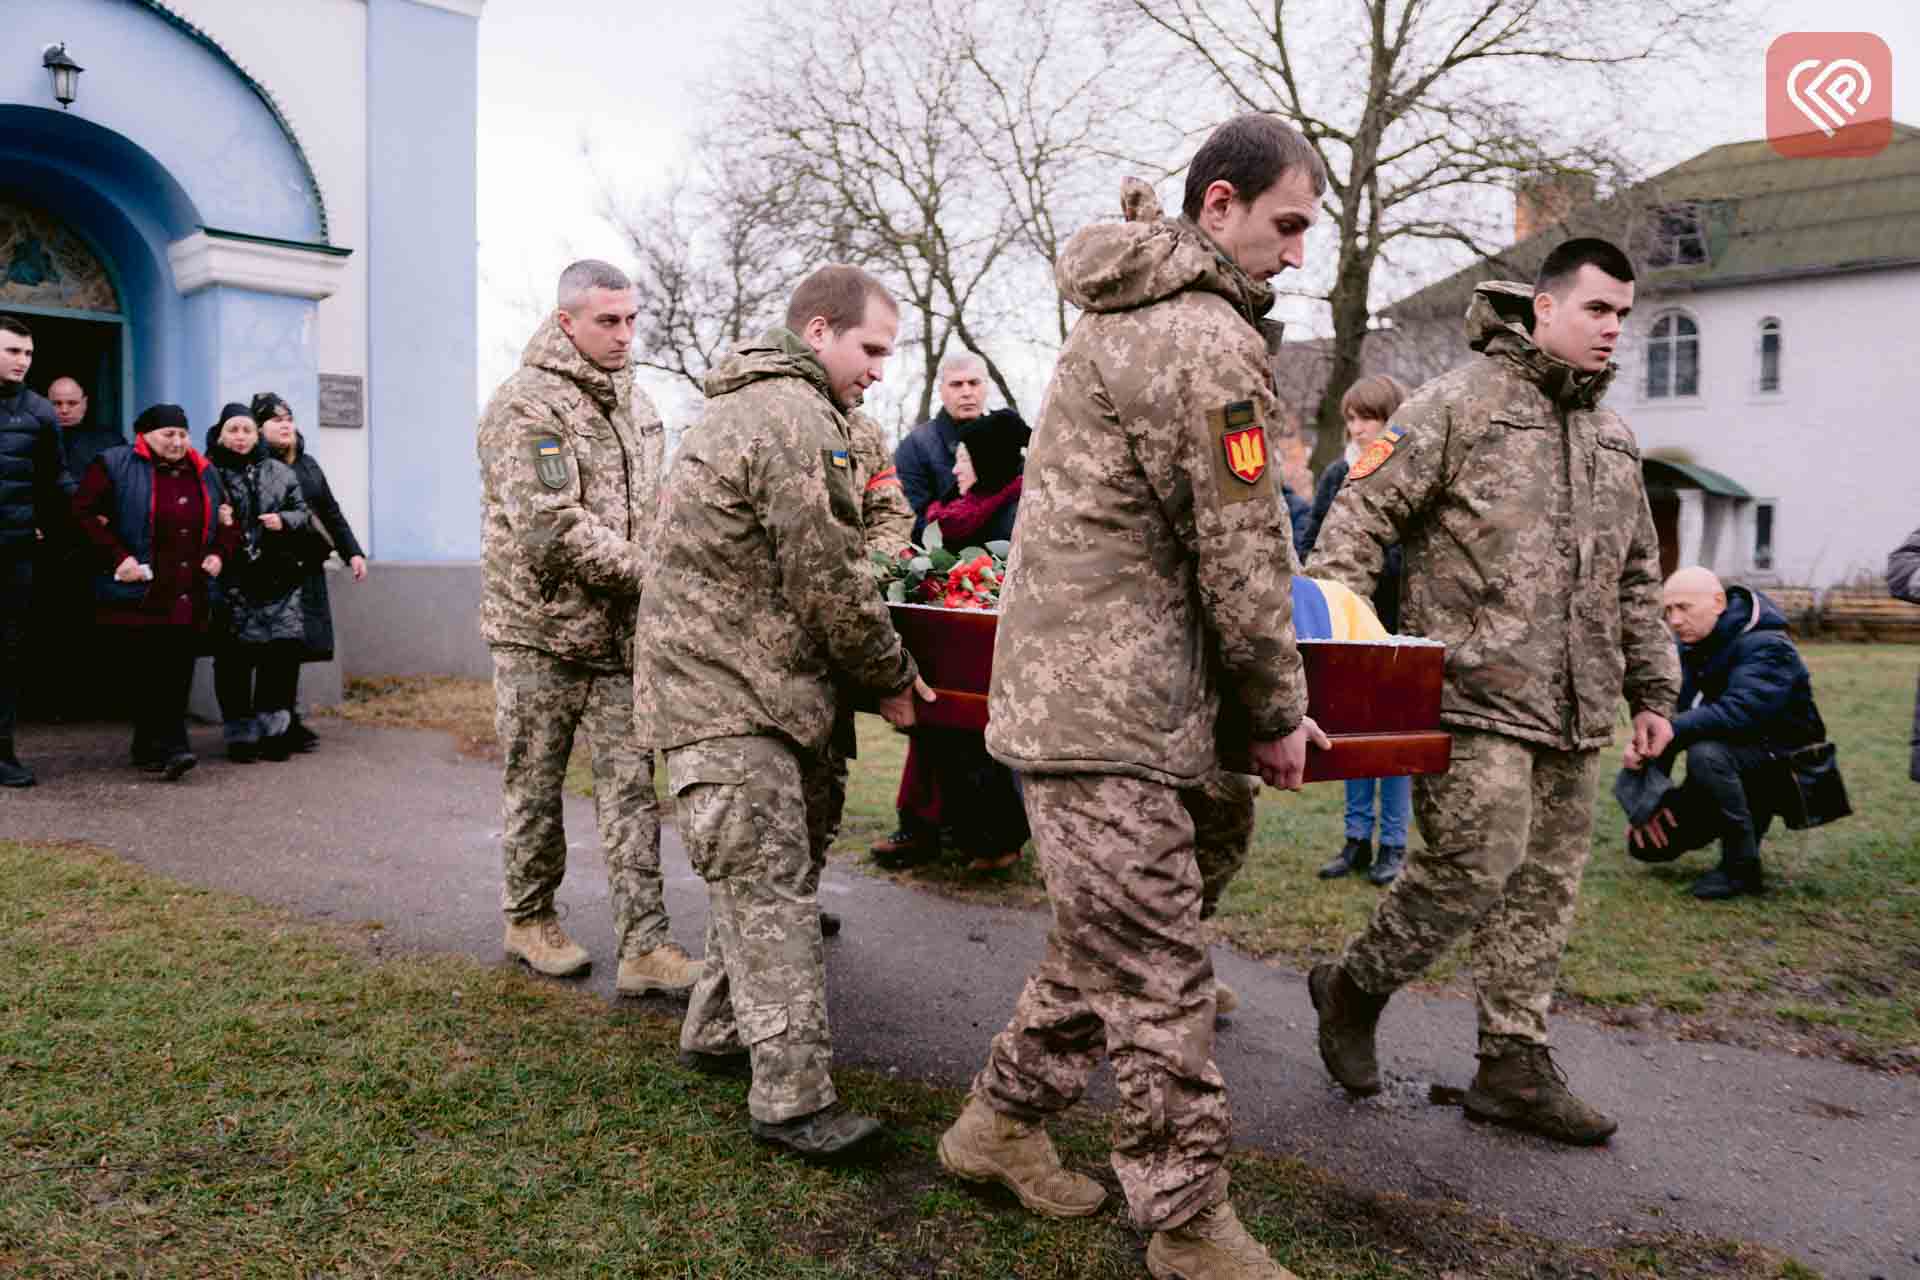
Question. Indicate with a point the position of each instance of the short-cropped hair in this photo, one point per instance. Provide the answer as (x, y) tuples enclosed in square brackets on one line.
[(14, 324), (1251, 151), (1564, 263), (586, 275), (962, 360), (838, 293), (1377, 398)]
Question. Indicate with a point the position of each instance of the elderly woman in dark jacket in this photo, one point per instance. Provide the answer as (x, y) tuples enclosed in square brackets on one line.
[(256, 662), (332, 535), (1903, 580), (152, 512)]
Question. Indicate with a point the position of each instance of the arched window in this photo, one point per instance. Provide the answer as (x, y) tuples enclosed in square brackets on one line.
[(1769, 379), (1673, 357)]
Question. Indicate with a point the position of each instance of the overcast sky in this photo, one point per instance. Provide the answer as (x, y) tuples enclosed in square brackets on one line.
[(629, 79)]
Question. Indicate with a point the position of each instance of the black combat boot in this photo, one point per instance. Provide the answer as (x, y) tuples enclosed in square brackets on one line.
[(1355, 855), (1387, 865), (1738, 872), (1348, 1016), (1519, 1085), (12, 772)]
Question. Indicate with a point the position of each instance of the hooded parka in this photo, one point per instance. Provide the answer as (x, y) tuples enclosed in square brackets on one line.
[(1529, 547)]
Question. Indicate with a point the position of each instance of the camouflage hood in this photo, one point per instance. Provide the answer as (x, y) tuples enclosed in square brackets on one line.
[(777, 353), (552, 350), (1117, 266), (1499, 323)]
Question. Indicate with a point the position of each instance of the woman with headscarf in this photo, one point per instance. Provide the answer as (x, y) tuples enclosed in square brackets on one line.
[(331, 535), (256, 662), (151, 511)]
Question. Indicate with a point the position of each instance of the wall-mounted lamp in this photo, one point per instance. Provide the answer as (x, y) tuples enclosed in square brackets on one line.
[(63, 71)]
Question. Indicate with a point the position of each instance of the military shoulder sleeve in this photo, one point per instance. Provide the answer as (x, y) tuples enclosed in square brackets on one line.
[(533, 484), (802, 489), (1203, 432), (1386, 489)]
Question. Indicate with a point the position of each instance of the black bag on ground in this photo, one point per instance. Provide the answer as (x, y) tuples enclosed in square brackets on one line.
[(1812, 793)]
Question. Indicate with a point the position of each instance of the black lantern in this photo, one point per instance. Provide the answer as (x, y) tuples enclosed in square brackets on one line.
[(64, 72)]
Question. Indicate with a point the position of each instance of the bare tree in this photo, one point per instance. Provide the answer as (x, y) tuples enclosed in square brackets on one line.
[(1418, 107)]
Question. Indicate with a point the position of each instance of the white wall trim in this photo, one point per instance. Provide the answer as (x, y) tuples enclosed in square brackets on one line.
[(200, 261), (466, 8)]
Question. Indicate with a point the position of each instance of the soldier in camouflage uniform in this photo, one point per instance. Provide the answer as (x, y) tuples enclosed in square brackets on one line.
[(570, 461), (1530, 551), (1149, 586), (758, 608)]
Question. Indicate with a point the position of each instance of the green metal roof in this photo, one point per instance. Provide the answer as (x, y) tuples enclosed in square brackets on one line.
[(1765, 216), (1689, 475)]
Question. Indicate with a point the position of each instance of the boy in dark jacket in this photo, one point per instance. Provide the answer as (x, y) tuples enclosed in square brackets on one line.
[(1745, 697)]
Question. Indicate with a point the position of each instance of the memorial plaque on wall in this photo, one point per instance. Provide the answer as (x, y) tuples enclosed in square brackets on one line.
[(342, 400)]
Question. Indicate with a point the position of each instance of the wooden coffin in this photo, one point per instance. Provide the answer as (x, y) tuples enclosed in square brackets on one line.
[(1379, 703)]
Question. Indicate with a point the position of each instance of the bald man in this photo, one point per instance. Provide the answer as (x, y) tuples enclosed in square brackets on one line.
[(1745, 697), (79, 444)]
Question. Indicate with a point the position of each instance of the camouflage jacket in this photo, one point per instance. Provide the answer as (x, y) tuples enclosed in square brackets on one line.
[(569, 468), (1529, 549), (758, 599), (1151, 566), (883, 503)]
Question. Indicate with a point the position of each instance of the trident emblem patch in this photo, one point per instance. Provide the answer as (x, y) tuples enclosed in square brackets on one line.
[(1246, 453)]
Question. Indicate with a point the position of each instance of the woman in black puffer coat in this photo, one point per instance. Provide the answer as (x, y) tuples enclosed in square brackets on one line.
[(256, 654), (331, 535)]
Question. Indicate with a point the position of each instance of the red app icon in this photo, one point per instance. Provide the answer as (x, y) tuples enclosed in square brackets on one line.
[(1829, 93)]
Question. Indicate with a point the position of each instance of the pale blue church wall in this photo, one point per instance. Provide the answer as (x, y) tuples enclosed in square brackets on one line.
[(422, 118), (152, 82), (247, 342)]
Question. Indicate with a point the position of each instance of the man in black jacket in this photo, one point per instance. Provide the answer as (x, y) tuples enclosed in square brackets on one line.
[(34, 493), (1745, 699), (925, 458)]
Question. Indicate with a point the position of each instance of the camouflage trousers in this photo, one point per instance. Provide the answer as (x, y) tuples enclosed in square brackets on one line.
[(1508, 828), (540, 702), (1222, 812), (1125, 971), (745, 810)]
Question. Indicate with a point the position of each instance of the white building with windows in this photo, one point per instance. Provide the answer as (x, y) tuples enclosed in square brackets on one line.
[(1772, 369)]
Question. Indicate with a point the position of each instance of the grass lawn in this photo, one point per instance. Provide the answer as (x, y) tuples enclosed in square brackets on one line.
[(195, 1085), (1827, 962)]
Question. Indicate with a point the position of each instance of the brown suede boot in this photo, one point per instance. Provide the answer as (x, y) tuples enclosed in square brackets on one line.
[(986, 1146), (1225, 999), (667, 968), (540, 942), (1348, 1016), (1212, 1245), (1520, 1085)]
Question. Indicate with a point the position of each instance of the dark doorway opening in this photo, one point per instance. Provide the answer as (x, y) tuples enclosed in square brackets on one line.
[(89, 352), (1666, 525)]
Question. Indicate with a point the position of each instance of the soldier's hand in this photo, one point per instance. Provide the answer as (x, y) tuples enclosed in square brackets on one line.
[(1282, 762), (897, 708), (1652, 735)]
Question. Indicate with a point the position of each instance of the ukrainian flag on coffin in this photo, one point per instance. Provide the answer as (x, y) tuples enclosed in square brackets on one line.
[(1325, 610)]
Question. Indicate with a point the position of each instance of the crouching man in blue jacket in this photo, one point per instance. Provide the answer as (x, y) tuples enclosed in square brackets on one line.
[(1745, 699)]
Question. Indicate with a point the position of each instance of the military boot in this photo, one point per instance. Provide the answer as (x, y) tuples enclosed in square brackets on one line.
[(1355, 855), (1212, 1245), (1225, 999), (985, 1145), (1348, 1016), (540, 943), (12, 772), (667, 969), (827, 1132), (1520, 1085)]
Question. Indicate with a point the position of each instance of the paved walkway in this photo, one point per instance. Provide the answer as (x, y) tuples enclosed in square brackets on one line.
[(1818, 1158)]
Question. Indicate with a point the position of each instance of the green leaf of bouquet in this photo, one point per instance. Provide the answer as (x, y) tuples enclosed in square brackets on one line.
[(920, 566), (970, 554), (930, 537), (1000, 548), (942, 559), (897, 591)]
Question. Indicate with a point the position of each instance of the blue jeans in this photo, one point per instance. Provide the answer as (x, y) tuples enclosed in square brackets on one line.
[(1396, 802)]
